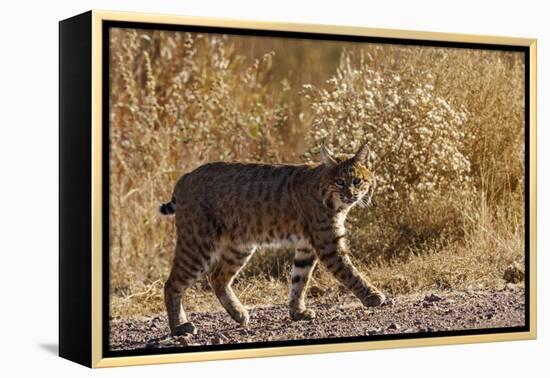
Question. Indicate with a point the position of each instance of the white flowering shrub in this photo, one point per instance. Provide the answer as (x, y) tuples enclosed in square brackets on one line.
[(416, 138)]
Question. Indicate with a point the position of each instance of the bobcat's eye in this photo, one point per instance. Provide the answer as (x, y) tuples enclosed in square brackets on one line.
[(357, 181), (340, 182)]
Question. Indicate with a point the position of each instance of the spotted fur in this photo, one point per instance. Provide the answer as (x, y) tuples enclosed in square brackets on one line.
[(224, 211)]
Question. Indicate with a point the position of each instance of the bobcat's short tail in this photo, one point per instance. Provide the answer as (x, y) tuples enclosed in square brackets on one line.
[(168, 208)]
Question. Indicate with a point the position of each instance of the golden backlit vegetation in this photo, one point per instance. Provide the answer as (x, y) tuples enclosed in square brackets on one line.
[(445, 125)]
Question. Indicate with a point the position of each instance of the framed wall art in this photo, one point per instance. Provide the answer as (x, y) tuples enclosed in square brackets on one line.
[(235, 189)]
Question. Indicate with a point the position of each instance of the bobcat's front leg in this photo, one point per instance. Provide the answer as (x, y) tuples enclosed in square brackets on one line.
[(332, 251)]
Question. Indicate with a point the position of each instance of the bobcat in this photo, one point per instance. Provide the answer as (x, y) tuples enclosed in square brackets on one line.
[(224, 211)]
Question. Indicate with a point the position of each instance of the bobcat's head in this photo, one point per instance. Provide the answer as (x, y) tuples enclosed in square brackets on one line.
[(348, 179)]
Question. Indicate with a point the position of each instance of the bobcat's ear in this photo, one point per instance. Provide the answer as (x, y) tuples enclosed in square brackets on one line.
[(363, 156), (327, 157)]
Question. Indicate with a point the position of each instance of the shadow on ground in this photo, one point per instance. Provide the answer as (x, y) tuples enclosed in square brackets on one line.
[(51, 348)]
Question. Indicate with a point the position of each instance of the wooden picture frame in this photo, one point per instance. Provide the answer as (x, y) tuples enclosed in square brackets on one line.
[(86, 65)]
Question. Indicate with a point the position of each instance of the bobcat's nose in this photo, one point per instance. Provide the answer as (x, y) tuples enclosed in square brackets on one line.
[(349, 200)]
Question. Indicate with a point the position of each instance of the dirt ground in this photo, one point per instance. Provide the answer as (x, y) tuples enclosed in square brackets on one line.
[(427, 312)]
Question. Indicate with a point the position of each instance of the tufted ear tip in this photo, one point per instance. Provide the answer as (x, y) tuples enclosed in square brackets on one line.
[(327, 157), (363, 154)]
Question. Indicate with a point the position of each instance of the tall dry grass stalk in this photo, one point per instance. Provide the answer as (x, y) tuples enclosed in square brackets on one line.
[(446, 127)]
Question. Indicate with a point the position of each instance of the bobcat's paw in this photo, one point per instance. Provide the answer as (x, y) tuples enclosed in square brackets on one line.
[(306, 314), (374, 299), (185, 329), (241, 317)]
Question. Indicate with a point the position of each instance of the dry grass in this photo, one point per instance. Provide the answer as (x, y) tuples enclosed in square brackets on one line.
[(445, 124)]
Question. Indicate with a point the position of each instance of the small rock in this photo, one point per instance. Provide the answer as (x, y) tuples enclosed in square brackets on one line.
[(169, 341), (388, 302), (510, 286), (393, 327), (243, 331), (433, 298), (425, 329), (374, 331), (156, 319), (182, 340), (514, 273), (219, 339)]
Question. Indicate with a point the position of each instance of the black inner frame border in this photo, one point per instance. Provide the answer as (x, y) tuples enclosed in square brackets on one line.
[(106, 25)]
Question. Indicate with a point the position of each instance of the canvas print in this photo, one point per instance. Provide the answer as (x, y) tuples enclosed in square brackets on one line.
[(278, 190)]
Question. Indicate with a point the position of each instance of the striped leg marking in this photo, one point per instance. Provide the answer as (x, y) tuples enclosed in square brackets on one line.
[(341, 267), (230, 263), (304, 263), (177, 319), (188, 266)]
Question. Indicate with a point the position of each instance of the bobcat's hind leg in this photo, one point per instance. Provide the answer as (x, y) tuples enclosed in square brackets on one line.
[(177, 319), (304, 263), (229, 264), (189, 265)]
